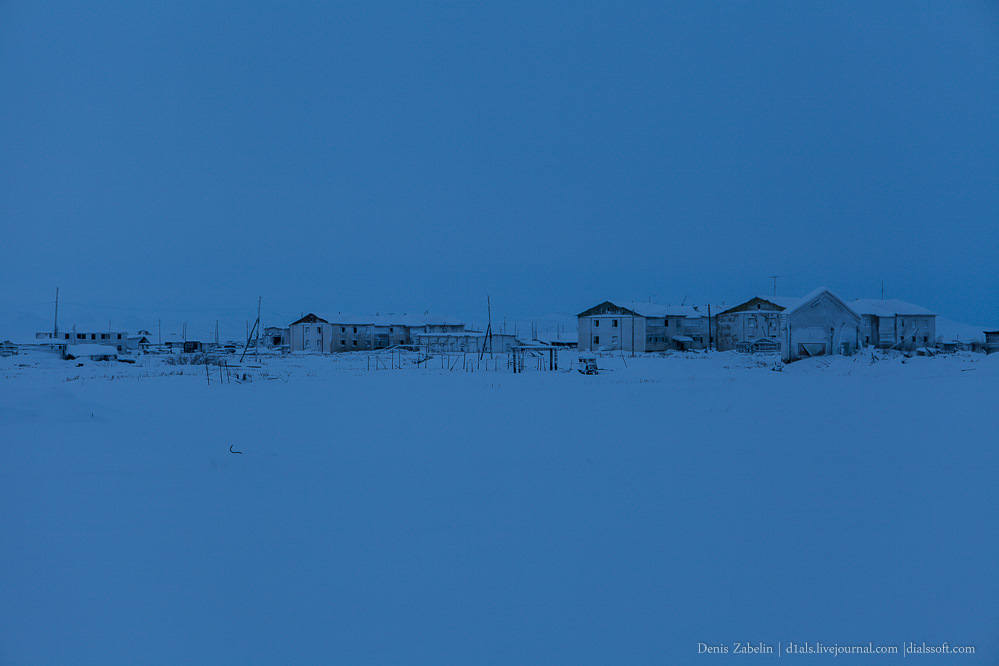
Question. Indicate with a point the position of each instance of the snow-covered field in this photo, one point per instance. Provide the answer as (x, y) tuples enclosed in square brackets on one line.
[(426, 517)]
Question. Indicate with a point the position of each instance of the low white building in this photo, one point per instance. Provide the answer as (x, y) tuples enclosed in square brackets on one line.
[(468, 341), (116, 339)]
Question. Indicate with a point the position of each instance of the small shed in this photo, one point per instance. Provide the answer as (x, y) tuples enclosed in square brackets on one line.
[(138, 342), (991, 342)]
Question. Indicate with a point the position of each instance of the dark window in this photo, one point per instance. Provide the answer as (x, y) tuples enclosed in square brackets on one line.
[(596, 322), (596, 339), (119, 336), (67, 336), (355, 343), (81, 336), (614, 323), (93, 336), (355, 331)]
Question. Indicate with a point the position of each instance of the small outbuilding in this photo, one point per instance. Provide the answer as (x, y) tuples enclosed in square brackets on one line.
[(991, 342)]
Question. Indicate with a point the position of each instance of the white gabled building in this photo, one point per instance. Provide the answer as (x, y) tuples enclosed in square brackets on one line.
[(820, 324), (310, 334), (894, 324)]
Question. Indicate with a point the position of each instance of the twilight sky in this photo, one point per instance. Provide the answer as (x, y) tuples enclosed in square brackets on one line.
[(383, 156)]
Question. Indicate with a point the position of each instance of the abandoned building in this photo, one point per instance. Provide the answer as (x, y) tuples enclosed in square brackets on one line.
[(895, 324), (642, 327), (751, 324)]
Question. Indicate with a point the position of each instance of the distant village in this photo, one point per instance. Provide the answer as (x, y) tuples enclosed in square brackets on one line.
[(817, 324)]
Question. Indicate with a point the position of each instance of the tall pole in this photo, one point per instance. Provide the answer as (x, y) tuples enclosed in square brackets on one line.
[(259, 299), (774, 278), (55, 328), (489, 326), (709, 327)]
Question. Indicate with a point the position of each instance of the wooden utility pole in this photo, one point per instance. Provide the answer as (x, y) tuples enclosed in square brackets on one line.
[(709, 327), (55, 328), (250, 333), (488, 340)]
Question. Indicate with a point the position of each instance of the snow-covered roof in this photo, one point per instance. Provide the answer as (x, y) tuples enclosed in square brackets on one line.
[(953, 331), (656, 310), (786, 302), (177, 338), (889, 307), (416, 320), (25, 341), (782, 302), (815, 293), (683, 338)]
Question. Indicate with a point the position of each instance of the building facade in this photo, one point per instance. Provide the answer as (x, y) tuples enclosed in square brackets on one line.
[(116, 339), (642, 327), (821, 324), (895, 324), (753, 321), (310, 334)]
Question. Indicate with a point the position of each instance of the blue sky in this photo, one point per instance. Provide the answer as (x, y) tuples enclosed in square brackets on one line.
[(408, 156)]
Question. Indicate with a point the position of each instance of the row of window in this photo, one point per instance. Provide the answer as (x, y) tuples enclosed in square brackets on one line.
[(93, 336), (649, 322)]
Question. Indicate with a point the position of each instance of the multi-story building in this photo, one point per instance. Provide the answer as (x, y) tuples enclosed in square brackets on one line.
[(642, 327), (894, 324)]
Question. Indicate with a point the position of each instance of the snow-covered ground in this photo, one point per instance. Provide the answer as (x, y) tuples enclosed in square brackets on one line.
[(432, 516)]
